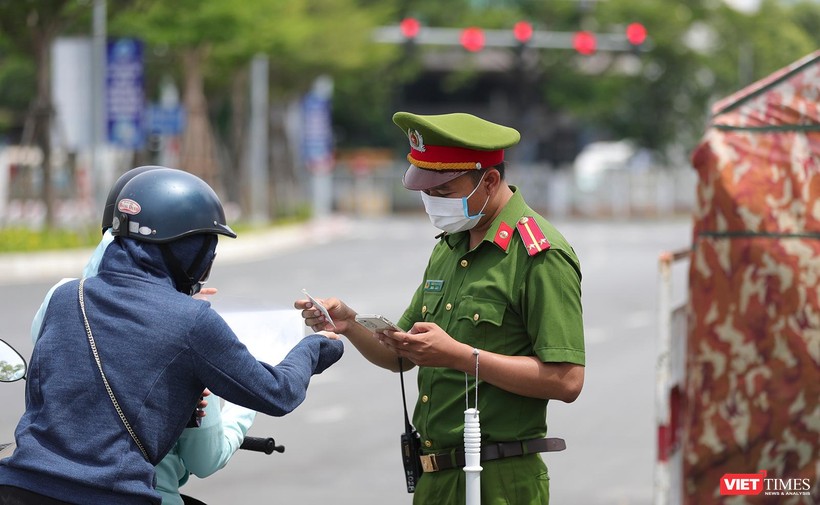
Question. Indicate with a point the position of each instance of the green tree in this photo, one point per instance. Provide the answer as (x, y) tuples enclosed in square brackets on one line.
[(748, 47), (701, 50), (213, 43), (11, 372), (302, 39), (29, 27), (189, 30), (17, 80)]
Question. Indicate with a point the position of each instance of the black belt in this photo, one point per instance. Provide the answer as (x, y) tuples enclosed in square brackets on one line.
[(489, 452)]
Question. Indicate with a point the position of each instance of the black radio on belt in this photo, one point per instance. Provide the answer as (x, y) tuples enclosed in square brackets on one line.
[(410, 444), (410, 451)]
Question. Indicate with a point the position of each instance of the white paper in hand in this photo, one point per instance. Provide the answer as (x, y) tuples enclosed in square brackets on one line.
[(321, 308), (270, 334)]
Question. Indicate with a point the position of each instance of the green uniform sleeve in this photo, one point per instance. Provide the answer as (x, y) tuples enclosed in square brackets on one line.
[(554, 315)]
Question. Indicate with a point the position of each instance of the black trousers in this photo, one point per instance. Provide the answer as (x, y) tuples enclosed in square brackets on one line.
[(15, 496)]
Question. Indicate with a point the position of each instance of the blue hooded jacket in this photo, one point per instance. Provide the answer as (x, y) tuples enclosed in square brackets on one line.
[(159, 349)]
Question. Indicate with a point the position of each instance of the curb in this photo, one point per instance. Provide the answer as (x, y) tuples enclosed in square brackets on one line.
[(21, 268)]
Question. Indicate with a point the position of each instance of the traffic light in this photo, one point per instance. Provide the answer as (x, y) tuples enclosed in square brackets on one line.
[(636, 36), (522, 31), (472, 39), (410, 28), (584, 42)]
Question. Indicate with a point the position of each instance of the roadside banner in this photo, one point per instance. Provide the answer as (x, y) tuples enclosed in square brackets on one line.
[(317, 133), (125, 101), (165, 120)]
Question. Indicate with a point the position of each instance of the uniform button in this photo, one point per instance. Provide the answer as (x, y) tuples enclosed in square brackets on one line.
[(475, 317), (428, 443), (425, 399), (449, 306), (523, 220), (504, 234), (464, 263), (424, 310)]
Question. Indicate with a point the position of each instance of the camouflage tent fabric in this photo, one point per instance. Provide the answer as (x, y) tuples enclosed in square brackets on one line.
[(753, 352)]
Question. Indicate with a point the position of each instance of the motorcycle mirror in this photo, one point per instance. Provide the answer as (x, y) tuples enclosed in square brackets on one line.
[(12, 365)]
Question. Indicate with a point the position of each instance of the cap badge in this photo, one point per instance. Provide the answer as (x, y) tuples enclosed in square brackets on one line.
[(416, 140)]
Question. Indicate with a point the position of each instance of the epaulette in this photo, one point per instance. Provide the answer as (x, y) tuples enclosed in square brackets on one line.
[(532, 235)]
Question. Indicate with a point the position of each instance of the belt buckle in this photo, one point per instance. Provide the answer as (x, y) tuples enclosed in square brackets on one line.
[(428, 463)]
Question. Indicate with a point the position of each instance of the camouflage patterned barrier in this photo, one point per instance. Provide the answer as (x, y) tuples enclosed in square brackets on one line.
[(753, 353)]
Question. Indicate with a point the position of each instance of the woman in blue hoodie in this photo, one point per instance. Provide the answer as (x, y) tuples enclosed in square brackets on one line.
[(202, 450), (123, 357)]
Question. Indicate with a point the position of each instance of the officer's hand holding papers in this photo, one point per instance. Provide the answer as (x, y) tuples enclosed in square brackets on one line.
[(329, 314), (321, 308), (425, 343), (344, 319)]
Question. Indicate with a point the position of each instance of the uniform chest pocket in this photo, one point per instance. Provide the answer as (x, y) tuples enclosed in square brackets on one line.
[(431, 305), (481, 312)]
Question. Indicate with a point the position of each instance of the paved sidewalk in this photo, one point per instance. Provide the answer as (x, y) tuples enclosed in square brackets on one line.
[(19, 268)]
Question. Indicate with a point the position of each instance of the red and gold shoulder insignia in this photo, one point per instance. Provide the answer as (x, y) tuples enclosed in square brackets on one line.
[(503, 236), (532, 235)]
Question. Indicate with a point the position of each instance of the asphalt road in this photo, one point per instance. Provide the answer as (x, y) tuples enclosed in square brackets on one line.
[(342, 444)]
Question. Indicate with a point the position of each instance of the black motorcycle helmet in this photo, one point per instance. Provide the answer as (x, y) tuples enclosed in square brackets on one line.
[(173, 208), (165, 204), (111, 201)]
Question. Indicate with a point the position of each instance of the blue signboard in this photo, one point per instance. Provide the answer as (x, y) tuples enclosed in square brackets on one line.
[(166, 120), (124, 93), (317, 134)]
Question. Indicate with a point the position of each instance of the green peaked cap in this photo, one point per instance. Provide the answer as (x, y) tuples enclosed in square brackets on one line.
[(443, 147), (458, 130)]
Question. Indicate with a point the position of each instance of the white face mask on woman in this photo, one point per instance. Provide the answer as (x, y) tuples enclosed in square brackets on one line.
[(452, 214)]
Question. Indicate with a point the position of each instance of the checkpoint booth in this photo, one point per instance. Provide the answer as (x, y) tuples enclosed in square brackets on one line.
[(751, 392)]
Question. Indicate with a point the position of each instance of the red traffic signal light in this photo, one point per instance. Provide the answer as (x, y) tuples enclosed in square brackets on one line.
[(472, 39), (584, 42), (522, 32), (410, 27), (636, 34)]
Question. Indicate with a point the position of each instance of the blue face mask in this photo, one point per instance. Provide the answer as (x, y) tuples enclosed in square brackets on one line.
[(452, 214)]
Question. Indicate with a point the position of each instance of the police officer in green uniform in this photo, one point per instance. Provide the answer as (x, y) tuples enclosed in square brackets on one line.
[(502, 287)]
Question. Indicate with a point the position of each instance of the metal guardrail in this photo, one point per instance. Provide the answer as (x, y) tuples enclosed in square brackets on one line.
[(557, 193), (669, 377), (622, 194)]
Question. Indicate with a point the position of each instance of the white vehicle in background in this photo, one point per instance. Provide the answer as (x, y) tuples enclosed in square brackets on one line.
[(599, 158)]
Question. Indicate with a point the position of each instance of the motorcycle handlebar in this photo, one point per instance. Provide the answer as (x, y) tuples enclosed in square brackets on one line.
[(260, 444)]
